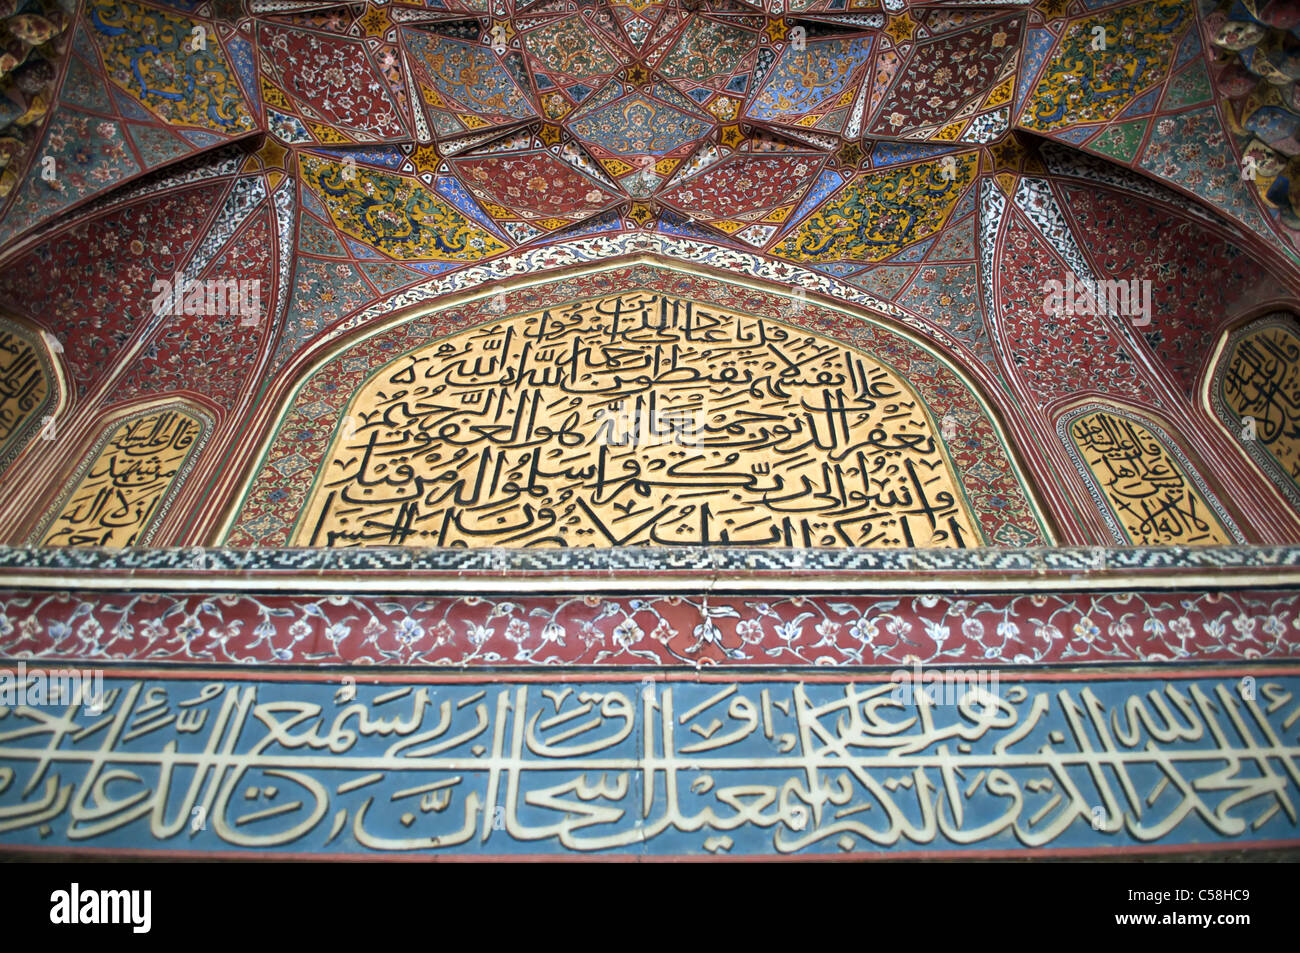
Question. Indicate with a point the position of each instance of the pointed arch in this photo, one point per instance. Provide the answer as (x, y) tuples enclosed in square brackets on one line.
[(1254, 391), (971, 453), (33, 388), (1145, 488), (127, 478)]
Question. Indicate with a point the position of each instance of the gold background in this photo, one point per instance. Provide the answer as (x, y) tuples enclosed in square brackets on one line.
[(636, 419)]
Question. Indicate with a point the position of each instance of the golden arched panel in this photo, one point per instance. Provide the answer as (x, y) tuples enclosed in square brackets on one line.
[(1148, 491), (130, 473), (636, 419)]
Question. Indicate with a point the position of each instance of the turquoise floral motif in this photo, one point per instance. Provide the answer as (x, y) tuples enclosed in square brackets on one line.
[(637, 126), (805, 79)]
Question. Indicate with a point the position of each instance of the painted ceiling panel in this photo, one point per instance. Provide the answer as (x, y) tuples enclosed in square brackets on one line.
[(948, 82), (331, 82), (462, 86), (93, 284), (847, 139), (813, 88)]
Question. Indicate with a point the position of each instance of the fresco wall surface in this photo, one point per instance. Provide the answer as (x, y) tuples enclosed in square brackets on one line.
[(544, 429)]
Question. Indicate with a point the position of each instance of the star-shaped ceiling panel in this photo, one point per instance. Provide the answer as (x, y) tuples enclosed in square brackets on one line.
[(841, 135)]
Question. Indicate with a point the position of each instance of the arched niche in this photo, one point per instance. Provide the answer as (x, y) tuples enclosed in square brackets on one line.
[(1146, 490), (30, 389), (126, 480), (639, 406), (1254, 391)]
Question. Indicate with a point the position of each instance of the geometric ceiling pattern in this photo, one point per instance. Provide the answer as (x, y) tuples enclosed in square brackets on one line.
[(935, 162)]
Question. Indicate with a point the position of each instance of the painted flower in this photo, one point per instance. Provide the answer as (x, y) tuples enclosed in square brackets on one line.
[(1086, 630), (864, 631), (827, 630), (627, 634), (442, 632), (408, 631), (790, 631), (1245, 626), (750, 631), (89, 633), (898, 627), (706, 631)]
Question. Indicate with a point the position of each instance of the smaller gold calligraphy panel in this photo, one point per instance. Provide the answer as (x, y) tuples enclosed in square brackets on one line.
[(1150, 493), (24, 384), (120, 492), (636, 419), (1261, 387)]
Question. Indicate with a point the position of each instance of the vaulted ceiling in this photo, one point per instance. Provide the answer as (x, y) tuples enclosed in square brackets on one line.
[(925, 160)]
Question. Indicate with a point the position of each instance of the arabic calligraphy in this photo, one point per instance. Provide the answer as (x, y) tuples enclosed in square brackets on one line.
[(1262, 382), (633, 419), (24, 384), (748, 767), (1146, 487), (122, 489)]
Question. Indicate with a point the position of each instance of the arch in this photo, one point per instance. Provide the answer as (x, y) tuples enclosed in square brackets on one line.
[(31, 388), (1254, 391), (1142, 483), (972, 472), (128, 478)]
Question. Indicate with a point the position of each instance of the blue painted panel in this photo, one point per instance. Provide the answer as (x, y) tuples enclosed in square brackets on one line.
[(639, 764)]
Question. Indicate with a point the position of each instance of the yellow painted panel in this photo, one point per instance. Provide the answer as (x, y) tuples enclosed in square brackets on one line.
[(636, 419), (1156, 502), (24, 384), (1261, 386), (120, 492)]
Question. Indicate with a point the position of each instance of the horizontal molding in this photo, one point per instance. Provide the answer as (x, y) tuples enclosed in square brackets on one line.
[(632, 569)]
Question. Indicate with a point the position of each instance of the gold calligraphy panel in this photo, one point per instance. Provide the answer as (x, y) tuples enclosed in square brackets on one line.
[(121, 491), (636, 419), (1146, 487), (24, 384), (1261, 388)]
